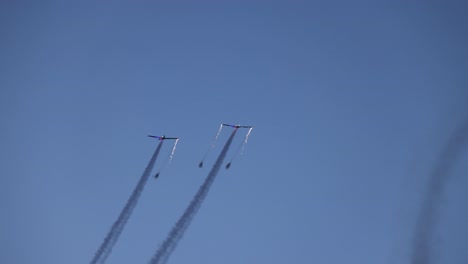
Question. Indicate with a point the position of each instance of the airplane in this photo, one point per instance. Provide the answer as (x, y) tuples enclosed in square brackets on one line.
[(237, 126), (163, 137)]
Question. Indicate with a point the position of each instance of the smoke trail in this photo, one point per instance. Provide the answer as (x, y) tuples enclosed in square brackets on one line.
[(240, 148), (111, 238), (211, 145), (427, 218), (178, 230)]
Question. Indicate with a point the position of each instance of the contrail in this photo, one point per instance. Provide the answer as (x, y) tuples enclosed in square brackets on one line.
[(178, 230), (427, 218), (106, 247)]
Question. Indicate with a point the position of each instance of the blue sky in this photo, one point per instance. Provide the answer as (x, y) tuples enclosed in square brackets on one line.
[(351, 103)]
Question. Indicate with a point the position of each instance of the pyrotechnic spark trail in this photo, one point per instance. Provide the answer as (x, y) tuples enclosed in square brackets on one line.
[(106, 247), (427, 218), (168, 159), (177, 232), (240, 148), (211, 145), (246, 139), (173, 151)]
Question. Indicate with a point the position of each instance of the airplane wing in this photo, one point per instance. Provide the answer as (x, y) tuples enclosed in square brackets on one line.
[(162, 137), (237, 126)]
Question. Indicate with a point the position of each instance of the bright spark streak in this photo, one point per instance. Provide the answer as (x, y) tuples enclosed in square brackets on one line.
[(173, 151), (212, 143), (217, 135), (245, 140)]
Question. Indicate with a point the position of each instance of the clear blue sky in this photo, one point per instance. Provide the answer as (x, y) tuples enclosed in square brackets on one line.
[(351, 104)]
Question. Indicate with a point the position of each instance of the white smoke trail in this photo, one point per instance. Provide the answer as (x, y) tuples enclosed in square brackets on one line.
[(111, 238), (427, 219), (164, 251)]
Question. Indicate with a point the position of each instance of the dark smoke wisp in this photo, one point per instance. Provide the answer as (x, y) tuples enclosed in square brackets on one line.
[(164, 251), (427, 219), (106, 247)]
